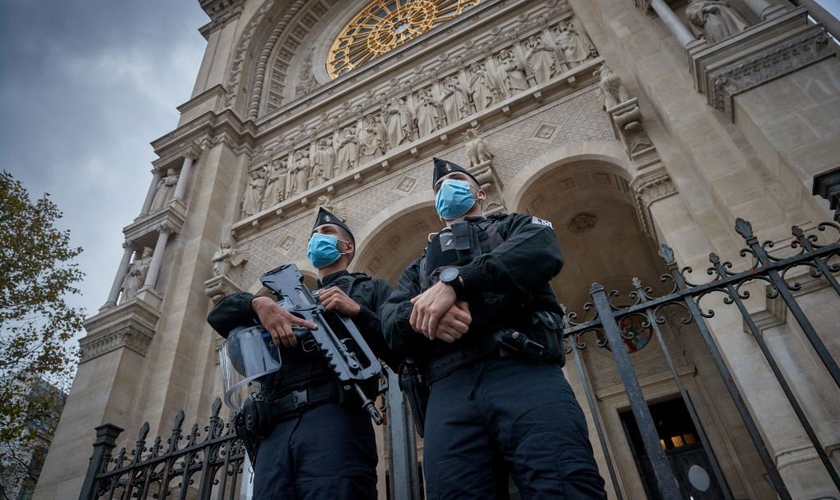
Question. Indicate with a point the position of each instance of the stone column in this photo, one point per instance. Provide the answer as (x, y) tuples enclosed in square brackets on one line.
[(675, 26), (157, 257), (150, 194), (181, 187), (118, 279)]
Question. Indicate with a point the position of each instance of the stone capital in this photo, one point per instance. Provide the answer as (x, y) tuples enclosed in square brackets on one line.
[(650, 186)]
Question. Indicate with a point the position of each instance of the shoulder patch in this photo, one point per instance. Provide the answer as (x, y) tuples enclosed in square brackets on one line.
[(541, 222)]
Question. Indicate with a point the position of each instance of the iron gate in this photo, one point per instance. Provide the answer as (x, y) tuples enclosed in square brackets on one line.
[(210, 466)]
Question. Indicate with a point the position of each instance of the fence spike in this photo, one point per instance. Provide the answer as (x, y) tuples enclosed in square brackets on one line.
[(667, 254), (744, 228)]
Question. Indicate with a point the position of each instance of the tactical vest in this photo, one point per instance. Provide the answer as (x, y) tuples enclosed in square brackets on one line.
[(491, 312), (458, 246)]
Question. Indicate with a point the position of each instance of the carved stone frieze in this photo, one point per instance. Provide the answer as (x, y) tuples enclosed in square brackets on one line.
[(297, 145), (764, 52), (650, 186)]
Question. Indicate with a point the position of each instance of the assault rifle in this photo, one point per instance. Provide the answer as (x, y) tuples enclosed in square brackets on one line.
[(337, 338)]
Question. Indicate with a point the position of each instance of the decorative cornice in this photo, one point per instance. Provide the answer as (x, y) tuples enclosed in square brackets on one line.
[(130, 325), (220, 12), (145, 230), (762, 53), (768, 64), (175, 157), (136, 340), (208, 129)]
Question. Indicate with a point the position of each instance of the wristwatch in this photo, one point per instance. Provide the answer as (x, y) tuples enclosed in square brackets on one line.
[(452, 277)]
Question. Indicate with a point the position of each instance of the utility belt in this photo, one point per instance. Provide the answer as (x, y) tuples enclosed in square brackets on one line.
[(260, 415), (542, 342)]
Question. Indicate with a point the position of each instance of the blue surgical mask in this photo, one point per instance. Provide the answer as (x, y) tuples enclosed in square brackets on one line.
[(323, 250), (454, 199)]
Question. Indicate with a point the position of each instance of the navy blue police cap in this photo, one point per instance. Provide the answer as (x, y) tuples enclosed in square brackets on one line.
[(327, 217), (445, 167)]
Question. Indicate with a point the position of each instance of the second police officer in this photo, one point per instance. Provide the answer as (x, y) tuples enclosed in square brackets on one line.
[(477, 313)]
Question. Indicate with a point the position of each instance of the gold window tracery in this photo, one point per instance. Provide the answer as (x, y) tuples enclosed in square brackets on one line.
[(384, 25)]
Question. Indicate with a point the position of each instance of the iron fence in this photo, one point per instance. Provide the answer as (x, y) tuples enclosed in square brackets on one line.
[(210, 467), (191, 467)]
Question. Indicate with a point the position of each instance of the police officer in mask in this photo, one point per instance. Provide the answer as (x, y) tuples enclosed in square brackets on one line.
[(313, 445), (478, 315)]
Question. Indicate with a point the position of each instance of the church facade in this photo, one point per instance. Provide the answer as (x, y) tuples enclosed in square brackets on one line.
[(626, 123)]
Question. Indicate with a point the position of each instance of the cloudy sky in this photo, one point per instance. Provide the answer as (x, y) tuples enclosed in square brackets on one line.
[(85, 86)]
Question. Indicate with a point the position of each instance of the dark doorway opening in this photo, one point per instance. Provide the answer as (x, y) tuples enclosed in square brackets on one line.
[(679, 438)]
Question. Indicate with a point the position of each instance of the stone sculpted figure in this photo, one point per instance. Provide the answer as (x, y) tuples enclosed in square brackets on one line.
[(483, 88), (370, 142), (136, 276), (164, 190), (221, 259), (610, 84), (454, 100), (628, 118), (541, 59), (476, 147), (301, 171), (252, 200), (426, 113), (513, 73), (306, 78), (574, 44), (714, 20), (408, 117), (323, 163), (275, 190), (348, 150), (398, 122)]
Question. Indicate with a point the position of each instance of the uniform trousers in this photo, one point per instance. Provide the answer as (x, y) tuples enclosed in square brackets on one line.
[(326, 453), (520, 410)]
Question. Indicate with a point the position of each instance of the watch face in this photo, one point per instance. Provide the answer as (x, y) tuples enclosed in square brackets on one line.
[(383, 25), (449, 275)]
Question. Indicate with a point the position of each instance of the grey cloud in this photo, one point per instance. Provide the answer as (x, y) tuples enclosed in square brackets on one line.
[(84, 87)]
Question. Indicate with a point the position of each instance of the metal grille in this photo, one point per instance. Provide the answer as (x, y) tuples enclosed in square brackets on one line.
[(187, 467), (821, 262)]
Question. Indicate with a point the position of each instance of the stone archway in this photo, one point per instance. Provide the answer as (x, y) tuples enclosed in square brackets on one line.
[(593, 203), (390, 241)]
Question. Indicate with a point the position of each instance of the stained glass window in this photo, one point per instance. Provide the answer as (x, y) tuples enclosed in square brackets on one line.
[(383, 25)]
